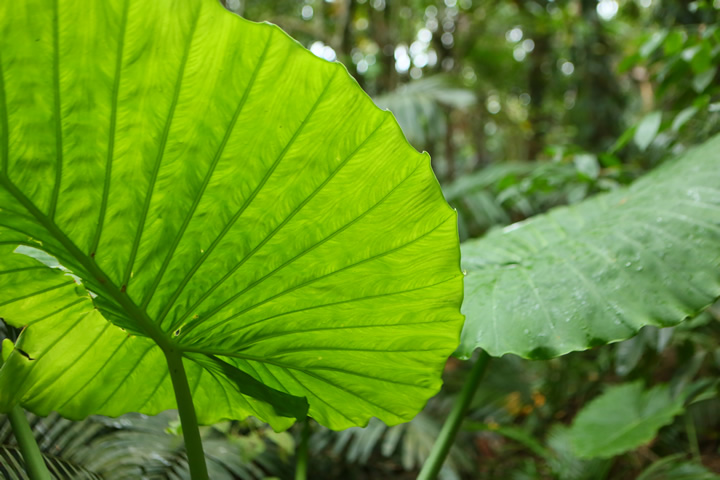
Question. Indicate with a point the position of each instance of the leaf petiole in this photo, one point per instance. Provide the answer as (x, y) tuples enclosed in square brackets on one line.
[(34, 462), (301, 456), (444, 442), (188, 417)]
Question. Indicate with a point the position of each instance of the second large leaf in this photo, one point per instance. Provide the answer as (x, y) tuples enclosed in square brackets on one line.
[(596, 272), (219, 189)]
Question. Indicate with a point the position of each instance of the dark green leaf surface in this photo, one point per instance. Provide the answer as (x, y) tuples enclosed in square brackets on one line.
[(597, 272), (623, 418), (566, 465), (217, 188), (676, 467)]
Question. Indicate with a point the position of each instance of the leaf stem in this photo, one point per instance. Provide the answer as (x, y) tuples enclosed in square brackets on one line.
[(188, 418), (34, 462), (512, 433), (442, 445), (301, 455)]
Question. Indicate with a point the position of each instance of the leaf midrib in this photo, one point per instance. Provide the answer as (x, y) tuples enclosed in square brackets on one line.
[(139, 316)]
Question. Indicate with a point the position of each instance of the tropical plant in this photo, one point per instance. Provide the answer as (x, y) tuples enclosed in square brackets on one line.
[(222, 258), (623, 418), (193, 231), (593, 273)]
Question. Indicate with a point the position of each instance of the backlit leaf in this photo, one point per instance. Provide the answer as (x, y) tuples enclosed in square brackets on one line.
[(220, 190)]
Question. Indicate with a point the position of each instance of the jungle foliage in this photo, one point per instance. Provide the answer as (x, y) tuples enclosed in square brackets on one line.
[(196, 212)]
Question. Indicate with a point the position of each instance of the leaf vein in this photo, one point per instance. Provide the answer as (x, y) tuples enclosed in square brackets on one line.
[(291, 260), (121, 382), (309, 391), (61, 309), (5, 137), (94, 375), (161, 152), (279, 227), (345, 327), (208, 176), (37, 292), (332, 304), (46, 385), (241, 210), (112, 132), (57, 110)]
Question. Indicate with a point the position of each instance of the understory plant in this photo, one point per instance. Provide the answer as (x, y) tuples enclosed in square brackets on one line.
[(197, 213), (593, 273)]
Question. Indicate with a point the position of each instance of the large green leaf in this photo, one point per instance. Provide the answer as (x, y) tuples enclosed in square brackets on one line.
[(623, 418), (598, 271), (220, 191)]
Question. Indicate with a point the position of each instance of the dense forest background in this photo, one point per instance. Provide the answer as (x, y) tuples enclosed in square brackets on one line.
[(523, 105)]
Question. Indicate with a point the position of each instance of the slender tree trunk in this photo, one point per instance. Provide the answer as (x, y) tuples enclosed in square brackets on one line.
[(537, 85), (383, 35)]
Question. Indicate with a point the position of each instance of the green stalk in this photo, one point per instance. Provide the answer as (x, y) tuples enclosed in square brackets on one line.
[(188, 418), (301, 456), (34, 461), (692, 436), (513, 433), (442, 445)]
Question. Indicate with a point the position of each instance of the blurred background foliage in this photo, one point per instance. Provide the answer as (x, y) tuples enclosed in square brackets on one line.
[(523, 105)]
